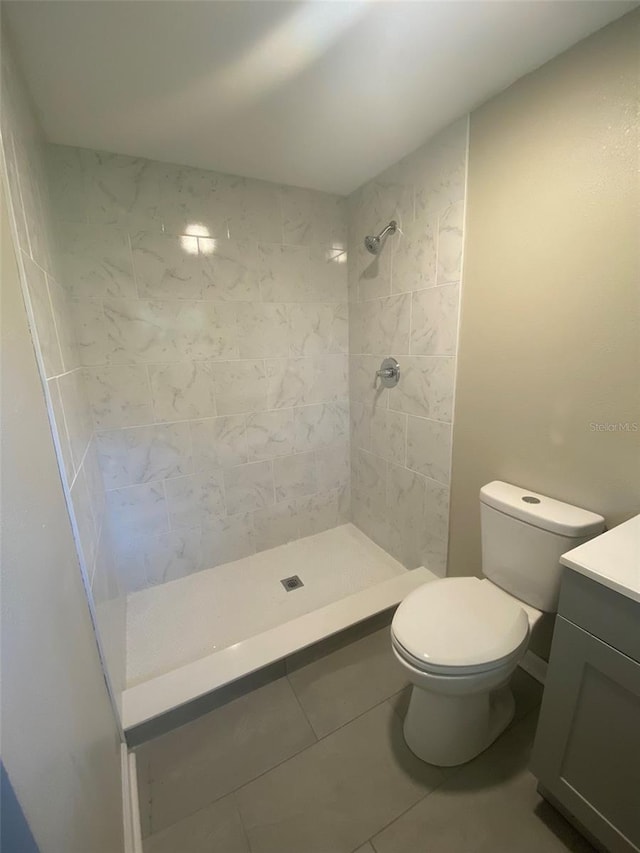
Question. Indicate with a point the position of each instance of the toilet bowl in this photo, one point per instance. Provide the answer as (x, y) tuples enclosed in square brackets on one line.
[(460, 639)]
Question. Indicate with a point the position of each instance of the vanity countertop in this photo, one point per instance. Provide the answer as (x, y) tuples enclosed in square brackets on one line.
[(612, 559)]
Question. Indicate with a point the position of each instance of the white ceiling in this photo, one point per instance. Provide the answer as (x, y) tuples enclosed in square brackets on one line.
[(317, 94)]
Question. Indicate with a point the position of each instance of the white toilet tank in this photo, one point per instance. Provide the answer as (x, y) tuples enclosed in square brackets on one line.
[(523, 536)]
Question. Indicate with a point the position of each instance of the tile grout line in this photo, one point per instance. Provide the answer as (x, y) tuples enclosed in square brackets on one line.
[(453, 774), (279, 763), (299, 703)]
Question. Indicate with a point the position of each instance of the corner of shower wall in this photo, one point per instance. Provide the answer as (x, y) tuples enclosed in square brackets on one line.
[(48, 309), (404, 302)]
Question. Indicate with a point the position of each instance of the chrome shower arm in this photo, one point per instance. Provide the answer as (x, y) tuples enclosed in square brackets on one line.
[(391, 228)]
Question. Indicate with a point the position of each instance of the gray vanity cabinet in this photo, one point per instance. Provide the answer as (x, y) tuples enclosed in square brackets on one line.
[(586, 754)]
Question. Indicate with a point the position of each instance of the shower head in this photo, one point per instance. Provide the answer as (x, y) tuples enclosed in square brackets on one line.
[(373, 244)]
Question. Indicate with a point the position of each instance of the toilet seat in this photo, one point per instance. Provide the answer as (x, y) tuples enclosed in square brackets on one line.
[(459, 626)]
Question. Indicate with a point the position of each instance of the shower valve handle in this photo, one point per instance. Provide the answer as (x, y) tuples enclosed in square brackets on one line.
[(389, 373)]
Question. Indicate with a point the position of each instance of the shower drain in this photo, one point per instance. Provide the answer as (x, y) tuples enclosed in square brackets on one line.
[(291, 583)]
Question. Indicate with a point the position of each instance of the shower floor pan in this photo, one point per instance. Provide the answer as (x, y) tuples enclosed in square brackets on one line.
[(195, 635)]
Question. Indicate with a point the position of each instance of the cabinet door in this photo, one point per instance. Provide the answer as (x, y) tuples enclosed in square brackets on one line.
[(587, 747)]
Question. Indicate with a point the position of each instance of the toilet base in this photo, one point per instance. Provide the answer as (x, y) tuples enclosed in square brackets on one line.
[(450, 730)]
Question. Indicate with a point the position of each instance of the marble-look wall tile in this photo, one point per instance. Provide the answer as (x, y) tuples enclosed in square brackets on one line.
[(303, 381), (182, 391), (249, 487), (119, 190), (95, 483), (330, 273), (388, 431), (13, 182), (363, 384), (127, 549), (90, 329), (270, 434), (301, 273), (333, 467), (145, 331), (369, 480), (434, 321), (68, 470), (163, 269), (195, 500), (77, 414), (381, 201), (276, 525), (381, 326), (320, 425), (119, 395), (218, 442), (426, 387), (189, 197), (230, 272), (414, 258), (360, 425), (111, 609), (450, 225), (434, 547), (95, 260), (263, 330), (81, 500), (295, 476), (137, 509), (429, 448), (254, 210), (407, 502), (144, 454), (27, 155), (405, 302), (372, 272), (66, 182), (60, 304), (319, 328), (240, 386), (45, 330), (228, 539), (171, 556), (210, 314), (310, 217), (317, 513), (285, 273)]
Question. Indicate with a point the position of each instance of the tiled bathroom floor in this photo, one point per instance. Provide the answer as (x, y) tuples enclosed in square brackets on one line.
[(315, 763)]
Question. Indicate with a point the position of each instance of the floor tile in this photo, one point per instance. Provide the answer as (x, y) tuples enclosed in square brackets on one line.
[(334, 796), (489, 805), (215, 828), (204, 760), (346, 683)]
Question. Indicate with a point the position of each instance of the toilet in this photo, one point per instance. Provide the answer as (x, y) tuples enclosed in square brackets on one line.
[(460, 639)]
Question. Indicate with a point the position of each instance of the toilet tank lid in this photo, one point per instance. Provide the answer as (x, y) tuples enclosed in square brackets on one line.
[(541, 511)]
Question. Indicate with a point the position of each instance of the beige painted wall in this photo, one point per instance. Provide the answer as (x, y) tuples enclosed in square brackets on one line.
[(550, 328)]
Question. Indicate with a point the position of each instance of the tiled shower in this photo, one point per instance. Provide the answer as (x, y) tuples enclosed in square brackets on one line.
[(210, 344), (211, 321)]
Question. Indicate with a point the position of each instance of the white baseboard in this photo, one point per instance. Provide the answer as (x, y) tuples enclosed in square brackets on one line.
[(130, 804), (535, 666)]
